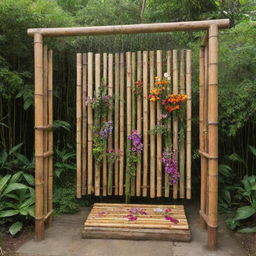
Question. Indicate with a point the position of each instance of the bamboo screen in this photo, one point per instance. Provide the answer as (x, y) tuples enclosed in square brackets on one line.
[(118, 73)]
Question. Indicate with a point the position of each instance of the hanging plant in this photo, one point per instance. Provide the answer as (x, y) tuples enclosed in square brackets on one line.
[(170, 166)]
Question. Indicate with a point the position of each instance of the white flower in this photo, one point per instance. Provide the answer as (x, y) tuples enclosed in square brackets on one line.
[(158, 210), (166, 75)]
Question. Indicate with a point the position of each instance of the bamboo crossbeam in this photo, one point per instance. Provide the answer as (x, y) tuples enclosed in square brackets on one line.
[(131, 29), (48, 127), (206, 155), (45, 154)]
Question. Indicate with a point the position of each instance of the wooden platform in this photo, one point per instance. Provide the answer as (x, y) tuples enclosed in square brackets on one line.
[(137, 222)]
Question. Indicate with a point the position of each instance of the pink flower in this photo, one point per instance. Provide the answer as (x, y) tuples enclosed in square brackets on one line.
[(171, 219)]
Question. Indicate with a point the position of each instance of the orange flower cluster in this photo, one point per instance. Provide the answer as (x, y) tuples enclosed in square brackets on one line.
[(157, 90), (173, 102)]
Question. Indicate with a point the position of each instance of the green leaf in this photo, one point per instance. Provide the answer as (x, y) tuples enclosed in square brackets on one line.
[(3, 182), (15, 228), (16, 177), (8, 213), (247, 230), (252, 149), (14, 186), (3, 157), (15, 148), (22, 158), (244, 212), (29, 178)]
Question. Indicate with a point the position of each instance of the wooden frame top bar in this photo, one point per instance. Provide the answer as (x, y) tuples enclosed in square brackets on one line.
[(130, 29)]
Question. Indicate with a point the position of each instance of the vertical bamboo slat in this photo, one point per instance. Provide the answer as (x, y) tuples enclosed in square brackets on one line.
[(128, 121), (90, 122), (189, 116), (133, 177), (175, 119), (213, 135), (45, 117), (145, 122), (110, 139), (116, 132), (104, 162), (121, 169), (97, 122), (182, 132), (168, 71), (39, 150), (84, 123), (152, 125), (139, 124), (159, 136), (50, 139)]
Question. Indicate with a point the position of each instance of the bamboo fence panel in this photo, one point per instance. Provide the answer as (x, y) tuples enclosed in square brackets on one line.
[(145, 123), (97, 122), (121, 167), (116, 127), (104, 161), (79, 123), (90, 123), (84, 123), (110, 117), (158, 121), (175, 119), (139, 120), (152, 125), (189, 126), (182, 131)]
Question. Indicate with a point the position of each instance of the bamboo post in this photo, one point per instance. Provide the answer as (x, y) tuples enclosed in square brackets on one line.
[(104, 162), (189, 120), (39, 140), (97, 122), (45, 117), (128, 122), (78, 123), (90, 122), (110, 117), (121, 167), (50, 139), (168, 139), (145, 122), (133, 177), (159, 136), (201, 135), (84, 123), (116, 132), (139, 125), (213, 135), (152, 125), (175, 119)]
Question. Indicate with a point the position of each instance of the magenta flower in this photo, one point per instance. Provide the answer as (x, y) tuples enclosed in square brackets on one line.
[(171, 219), (136, 140), (170, 166)]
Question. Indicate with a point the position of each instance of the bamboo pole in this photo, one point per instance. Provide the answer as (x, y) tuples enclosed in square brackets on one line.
[(50, 138), (152, 125), (145, 122), (104, 162), (97, 122), (45, 117), (131, 29), (121, 167), (78, 124), (90, 122), (159, 136), (182, 130), (201, 135), (189, 120), (128, 121), (133, 177), (39, 140), (175, 119), (168, 139), (110, 117), (116, 132), (84, 123), (213, 136)]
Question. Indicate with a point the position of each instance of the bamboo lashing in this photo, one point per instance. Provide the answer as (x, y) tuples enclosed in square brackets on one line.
[(90, 122), (145, 122), (152, 125), (121, 167), (110, 117), (139, 121), (116, 131), (97, 122), (84, 123), (158, 121), (175, 119), (182, 158)]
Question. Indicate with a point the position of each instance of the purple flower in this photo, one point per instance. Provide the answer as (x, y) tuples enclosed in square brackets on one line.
[(136, 140), (171, 219), (131, 217), (170, 166), (106, 130)]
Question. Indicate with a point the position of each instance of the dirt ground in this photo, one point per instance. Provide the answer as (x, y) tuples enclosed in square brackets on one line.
[(248, 241)]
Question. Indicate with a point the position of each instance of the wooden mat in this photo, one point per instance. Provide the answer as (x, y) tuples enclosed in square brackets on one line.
[(137, 221)]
